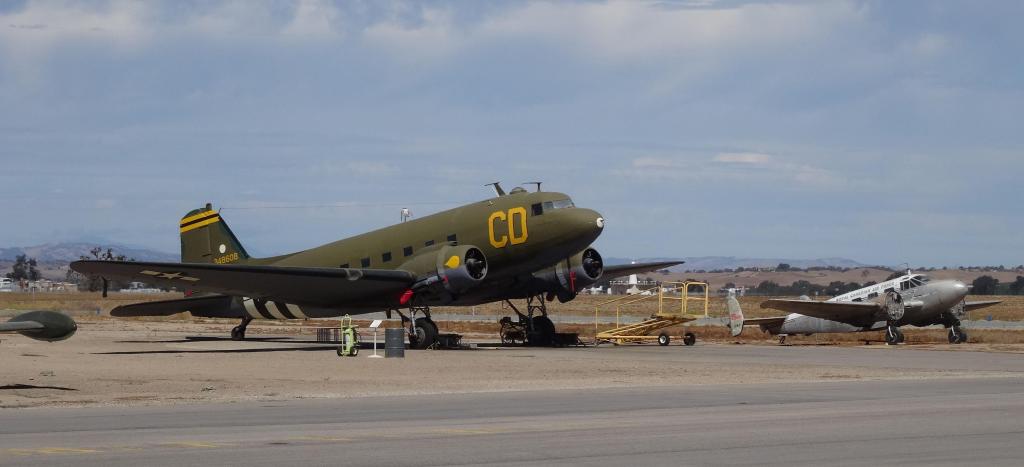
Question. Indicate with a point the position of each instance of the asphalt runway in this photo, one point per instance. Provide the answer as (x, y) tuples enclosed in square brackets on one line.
[(951, 421)]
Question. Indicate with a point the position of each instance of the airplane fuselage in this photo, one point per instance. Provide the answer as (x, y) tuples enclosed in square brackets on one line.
[(517, 233), (926, 303)]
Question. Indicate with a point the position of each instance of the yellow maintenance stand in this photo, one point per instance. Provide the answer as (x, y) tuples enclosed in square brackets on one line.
[(674, 309)]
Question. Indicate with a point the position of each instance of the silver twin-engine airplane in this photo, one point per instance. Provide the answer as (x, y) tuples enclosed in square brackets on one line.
[(911, 299)]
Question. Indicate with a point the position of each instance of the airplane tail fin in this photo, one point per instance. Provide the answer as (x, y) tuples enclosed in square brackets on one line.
[(735, 315), (206, 238)]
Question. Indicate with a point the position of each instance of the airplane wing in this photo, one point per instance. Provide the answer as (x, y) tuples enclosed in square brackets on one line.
[(846, 312), (311, 286), (627, 269), (969, 306), (211, 306)]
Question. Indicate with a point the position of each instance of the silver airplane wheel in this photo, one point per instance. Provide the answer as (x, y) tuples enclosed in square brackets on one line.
[(956, 335), (892, 335)]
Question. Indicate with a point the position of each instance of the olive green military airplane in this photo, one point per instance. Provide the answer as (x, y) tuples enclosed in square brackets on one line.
[(517, 245)]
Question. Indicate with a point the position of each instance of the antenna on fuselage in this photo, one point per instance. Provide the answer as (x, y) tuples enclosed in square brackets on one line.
[(534, 183), (497, 188), (406, 214)]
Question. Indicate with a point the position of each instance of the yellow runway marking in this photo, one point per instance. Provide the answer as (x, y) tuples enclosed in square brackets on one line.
[(29, 452), (320, 438), (462, 431), (194, 445)]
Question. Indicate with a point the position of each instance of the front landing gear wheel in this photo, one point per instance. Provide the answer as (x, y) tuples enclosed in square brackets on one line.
[(425, 336), (689, 339), (664, 339), (892, 335), (957, 335), (543, 334)]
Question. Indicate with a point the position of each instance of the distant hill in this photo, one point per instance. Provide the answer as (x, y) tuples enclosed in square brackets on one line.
[(71, 251), (709, 263)]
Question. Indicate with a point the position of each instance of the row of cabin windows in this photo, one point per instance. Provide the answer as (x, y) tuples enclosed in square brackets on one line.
[(406, 251)]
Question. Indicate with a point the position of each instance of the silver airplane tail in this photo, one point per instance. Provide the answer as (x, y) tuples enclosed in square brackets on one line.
[(735, 315)]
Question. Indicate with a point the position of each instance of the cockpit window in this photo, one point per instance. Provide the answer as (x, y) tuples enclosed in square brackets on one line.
[(541, 208), (916, 282), (558, 204)]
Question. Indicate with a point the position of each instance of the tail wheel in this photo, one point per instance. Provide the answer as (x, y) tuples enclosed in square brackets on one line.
[(425, 336), (689, 339), (664, 339)]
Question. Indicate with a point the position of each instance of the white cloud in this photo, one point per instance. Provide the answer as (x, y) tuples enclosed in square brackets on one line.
[(615, 31), (927, 46), (641, 31), (435, 37), (746, 167), (743, 158)]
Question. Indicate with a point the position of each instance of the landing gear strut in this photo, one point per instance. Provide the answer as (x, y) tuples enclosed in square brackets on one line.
[(957, 334), (422, 331), (952, 321), (238, 332), (540, 331), (893, 335)]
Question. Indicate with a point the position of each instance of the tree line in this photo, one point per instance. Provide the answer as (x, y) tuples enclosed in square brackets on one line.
[(24, 269), (988, 285), (803, 287)]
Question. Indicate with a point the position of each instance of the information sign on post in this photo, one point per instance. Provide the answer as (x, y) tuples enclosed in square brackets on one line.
[(374, 325)]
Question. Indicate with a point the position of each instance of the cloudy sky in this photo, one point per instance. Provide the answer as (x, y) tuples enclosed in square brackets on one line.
[(881, 131)]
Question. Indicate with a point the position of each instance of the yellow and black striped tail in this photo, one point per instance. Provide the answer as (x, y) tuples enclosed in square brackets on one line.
[(206, 238)]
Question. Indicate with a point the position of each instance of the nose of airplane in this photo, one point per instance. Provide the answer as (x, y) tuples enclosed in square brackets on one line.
[(960, 289), (586, 221), (953, 292)]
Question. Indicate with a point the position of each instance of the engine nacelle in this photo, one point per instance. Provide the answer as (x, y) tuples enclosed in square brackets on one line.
[(572, 274), (449, 268)]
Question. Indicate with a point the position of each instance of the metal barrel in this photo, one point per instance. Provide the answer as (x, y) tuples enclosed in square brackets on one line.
[(394, 343)]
